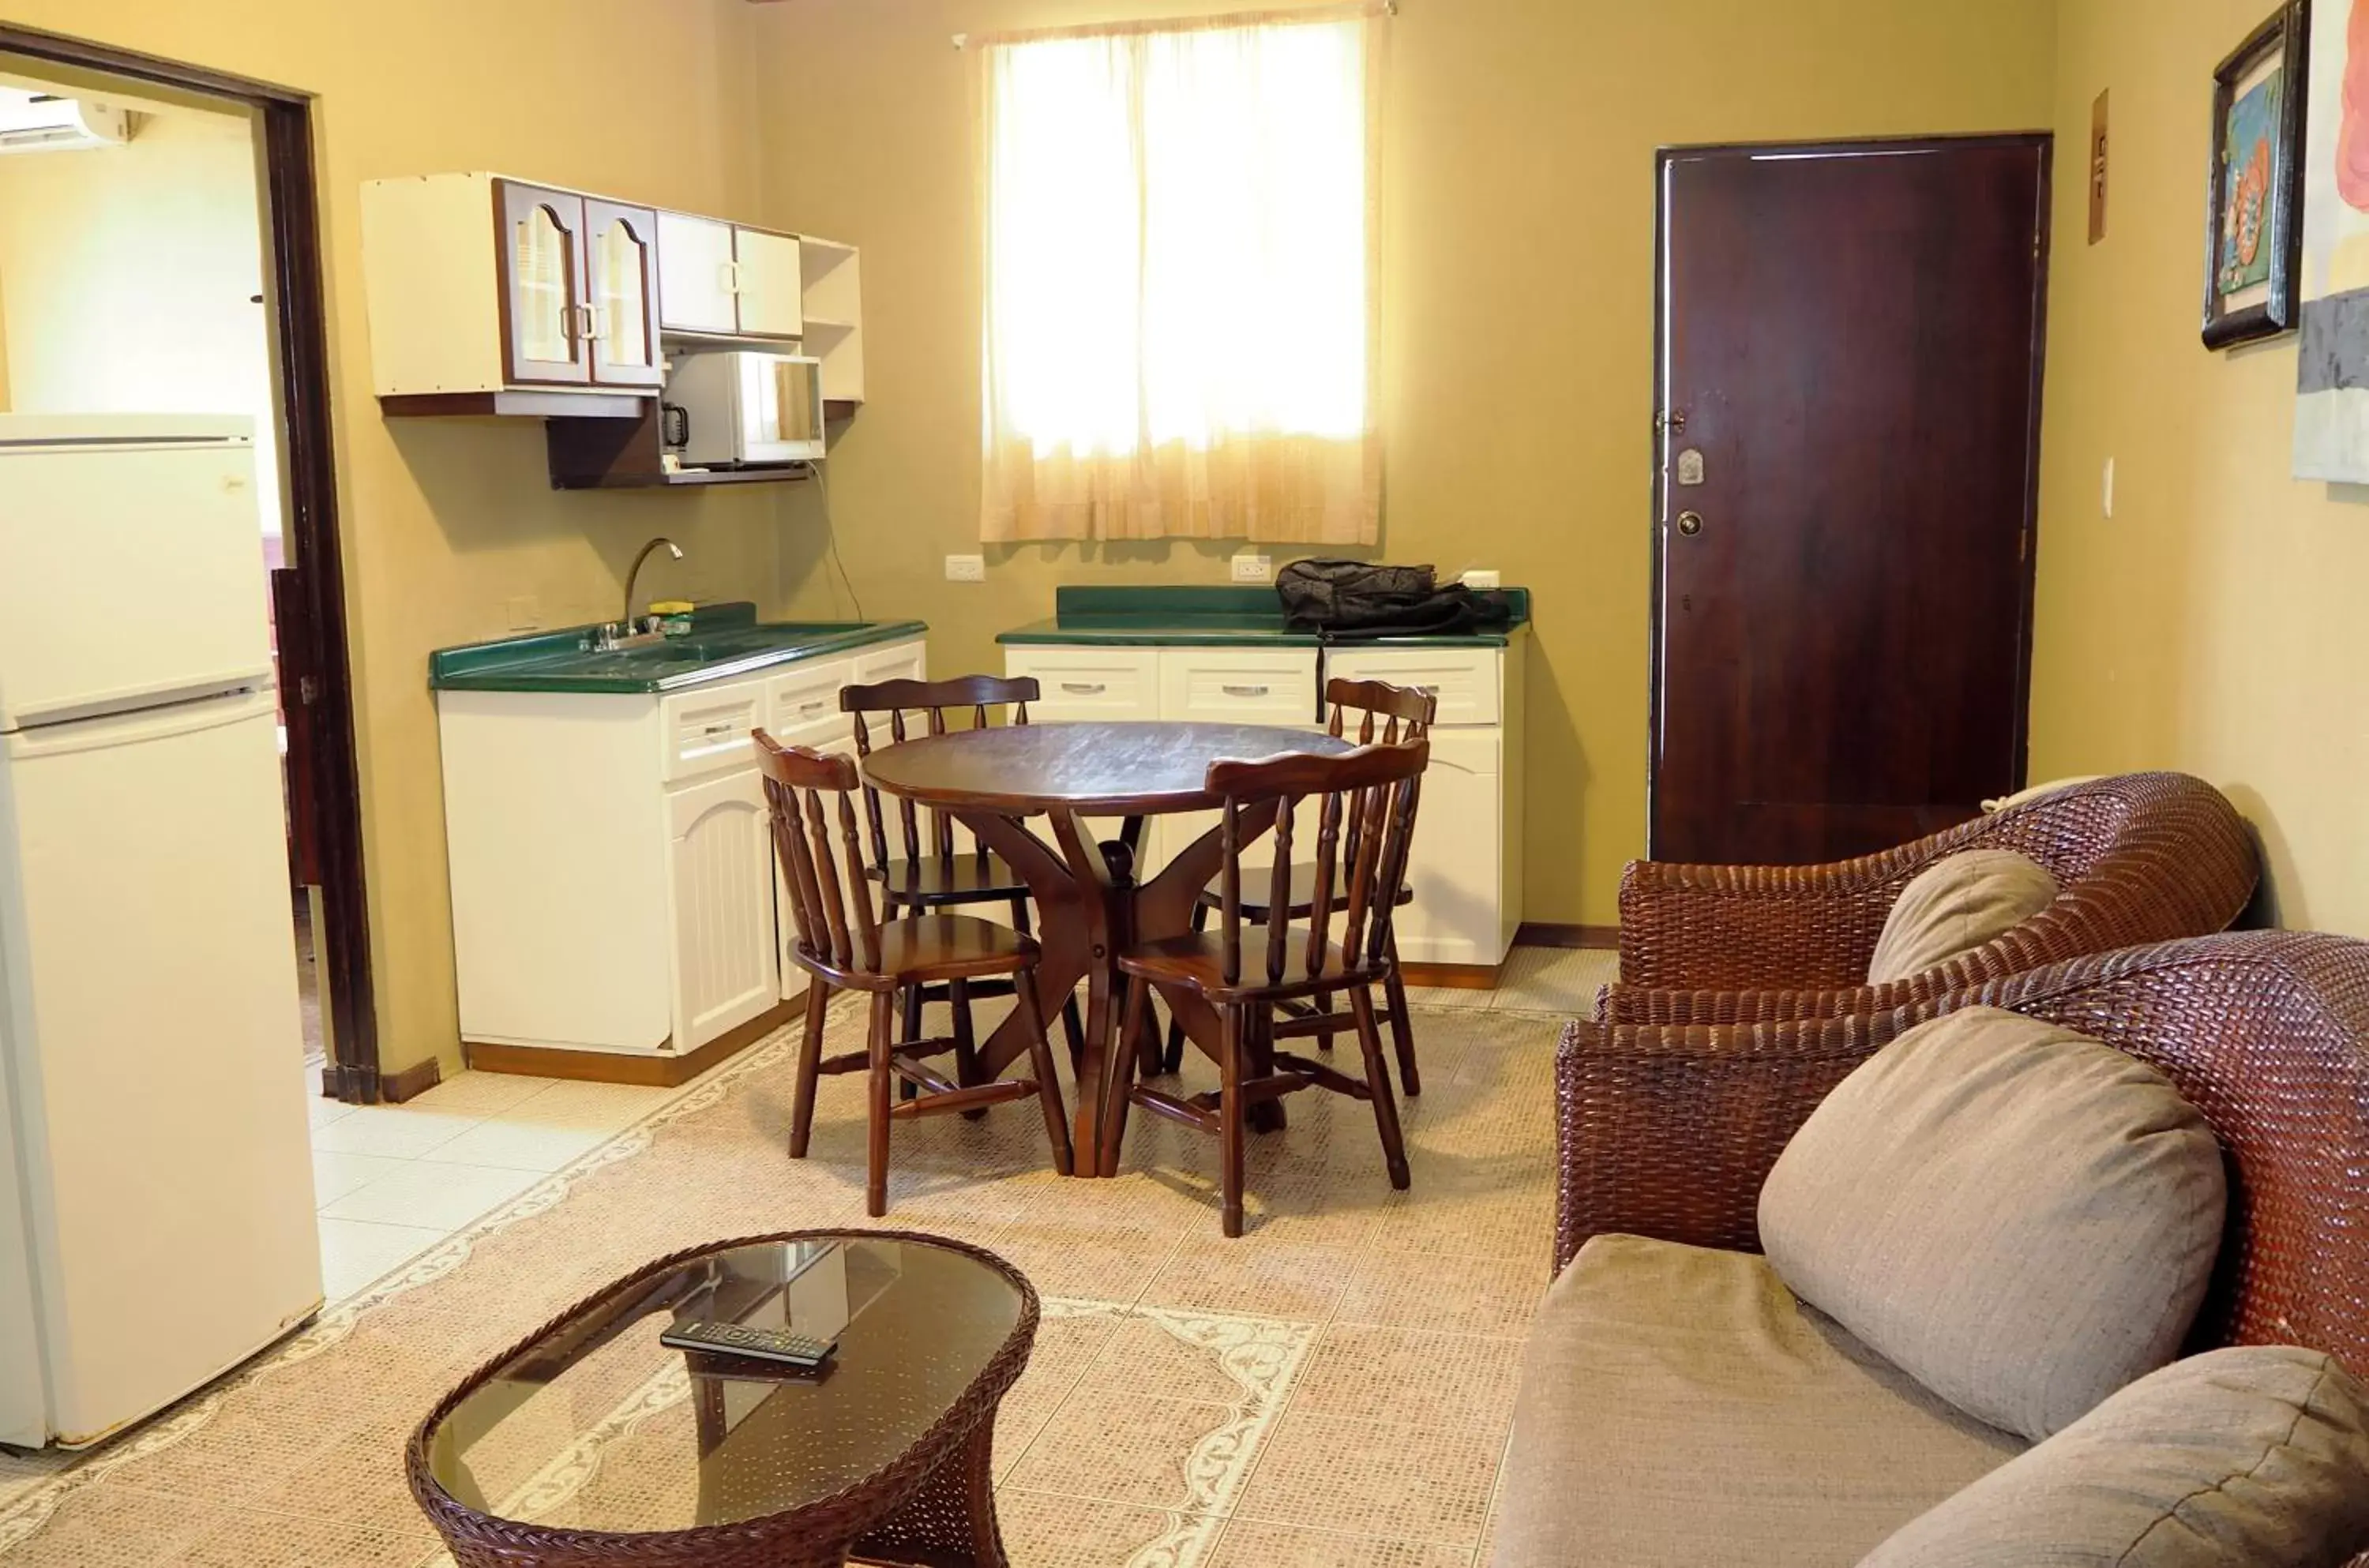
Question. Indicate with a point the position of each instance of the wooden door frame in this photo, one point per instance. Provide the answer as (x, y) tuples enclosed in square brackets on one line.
[(2044, 142), (292, 234)]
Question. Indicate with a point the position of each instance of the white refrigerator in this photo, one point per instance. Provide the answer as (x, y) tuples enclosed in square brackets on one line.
[(157, 1222)]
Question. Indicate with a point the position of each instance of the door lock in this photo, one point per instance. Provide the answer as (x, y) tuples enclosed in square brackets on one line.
[(1674, 420), (1690, 523)]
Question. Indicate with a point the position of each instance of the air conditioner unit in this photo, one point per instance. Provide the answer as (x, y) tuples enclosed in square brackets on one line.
[(45, 122)]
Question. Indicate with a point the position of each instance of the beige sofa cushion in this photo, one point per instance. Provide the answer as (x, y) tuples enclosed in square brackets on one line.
[(1955, 905), (2021, 1218), (1679, 1407), (2258, 1456)]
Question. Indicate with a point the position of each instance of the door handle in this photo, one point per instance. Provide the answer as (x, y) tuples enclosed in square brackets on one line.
[(1690, 523)]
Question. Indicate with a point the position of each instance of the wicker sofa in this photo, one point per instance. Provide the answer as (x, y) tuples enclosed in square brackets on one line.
[(2138, 858), (1810, 1449)]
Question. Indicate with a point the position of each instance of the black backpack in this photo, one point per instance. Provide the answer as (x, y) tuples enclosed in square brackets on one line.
[(1347, 600)]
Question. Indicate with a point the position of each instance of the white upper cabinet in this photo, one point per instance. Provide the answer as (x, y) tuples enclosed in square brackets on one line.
[(695, 288), (765, 266)]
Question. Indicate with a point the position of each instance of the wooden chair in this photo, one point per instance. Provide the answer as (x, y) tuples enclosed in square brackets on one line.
[(929, 875), (1364, 827), (846, 947), (1404, 713)]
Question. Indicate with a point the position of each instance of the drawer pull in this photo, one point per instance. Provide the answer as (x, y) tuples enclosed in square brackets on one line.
[(809, 707), (1084, 688), (725, 727), (1243, 690)]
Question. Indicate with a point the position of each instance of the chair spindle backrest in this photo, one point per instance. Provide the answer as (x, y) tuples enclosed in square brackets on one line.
[(831, 904), (1407, 714), (923, 832), (1363, 830)]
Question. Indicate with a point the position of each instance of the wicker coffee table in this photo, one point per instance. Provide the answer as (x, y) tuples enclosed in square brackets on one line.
[(590, 1443)]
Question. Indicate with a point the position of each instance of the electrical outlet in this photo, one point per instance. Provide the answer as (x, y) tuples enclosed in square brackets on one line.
[(966, 568), (1249, 568), (525, 612), (1481, 576)]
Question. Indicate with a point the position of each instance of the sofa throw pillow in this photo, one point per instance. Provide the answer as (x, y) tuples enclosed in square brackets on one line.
[(2019, 1217), (1954, 905), (2258, 1456)]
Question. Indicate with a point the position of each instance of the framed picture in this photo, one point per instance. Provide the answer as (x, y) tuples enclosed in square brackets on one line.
[(2332, 430), (2253, 235)]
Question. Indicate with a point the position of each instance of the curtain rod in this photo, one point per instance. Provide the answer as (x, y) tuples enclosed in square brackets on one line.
[(1190, 24)]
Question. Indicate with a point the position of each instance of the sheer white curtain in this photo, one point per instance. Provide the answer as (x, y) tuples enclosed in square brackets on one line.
[(1180, 283)]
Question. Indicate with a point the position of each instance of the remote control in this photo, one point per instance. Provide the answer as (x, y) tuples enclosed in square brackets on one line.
[(762, 1345)]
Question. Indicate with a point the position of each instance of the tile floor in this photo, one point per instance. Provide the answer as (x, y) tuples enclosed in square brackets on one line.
[(393, 1181)]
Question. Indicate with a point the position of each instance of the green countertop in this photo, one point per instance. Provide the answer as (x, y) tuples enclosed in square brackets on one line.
[(1211, 617), (725, 640)]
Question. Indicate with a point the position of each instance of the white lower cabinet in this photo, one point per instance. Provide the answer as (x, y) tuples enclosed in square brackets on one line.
[(613, 875), (720, 887), (1466, 864)]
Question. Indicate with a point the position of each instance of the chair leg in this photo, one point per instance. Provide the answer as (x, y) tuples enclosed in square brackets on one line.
[(1377, 1078), (1174, 1061), (1230, 1112), (965, 1042), (1048, 1083), (809, 1067), (875, 1175), (1122, 1071), (1073, 1025), (1401, 1025), (912, 995)]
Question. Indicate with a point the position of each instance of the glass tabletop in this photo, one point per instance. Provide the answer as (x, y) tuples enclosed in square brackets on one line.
[(598, 1426)]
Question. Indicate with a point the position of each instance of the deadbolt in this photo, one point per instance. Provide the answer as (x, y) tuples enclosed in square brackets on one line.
[(1690, 523)]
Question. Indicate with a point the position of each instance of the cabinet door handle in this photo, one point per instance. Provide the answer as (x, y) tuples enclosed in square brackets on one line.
[(729, 272), (1243, 690), (592, 332), (1084, 688)]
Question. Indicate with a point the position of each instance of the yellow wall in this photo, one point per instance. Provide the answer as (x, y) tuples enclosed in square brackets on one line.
[(1518, 315), (129, 277), (2216, 623), (447, 520)]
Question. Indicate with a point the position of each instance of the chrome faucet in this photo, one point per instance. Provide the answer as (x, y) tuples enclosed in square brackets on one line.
[(634, 575), (632, 631)]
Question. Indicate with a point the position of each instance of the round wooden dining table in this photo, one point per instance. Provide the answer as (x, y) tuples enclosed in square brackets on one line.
[(1091, 904)]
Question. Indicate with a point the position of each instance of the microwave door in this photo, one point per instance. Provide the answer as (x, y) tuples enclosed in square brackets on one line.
[(781, 416)]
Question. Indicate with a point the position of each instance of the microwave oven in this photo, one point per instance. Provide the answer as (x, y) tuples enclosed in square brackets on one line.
[(739, 407)]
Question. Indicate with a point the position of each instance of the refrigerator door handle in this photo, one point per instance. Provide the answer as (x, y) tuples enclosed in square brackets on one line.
[(144, 725)]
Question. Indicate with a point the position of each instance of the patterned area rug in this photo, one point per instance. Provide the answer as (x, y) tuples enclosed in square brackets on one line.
[(1332, 1389)]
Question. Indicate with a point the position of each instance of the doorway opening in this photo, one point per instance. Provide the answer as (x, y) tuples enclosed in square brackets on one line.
[(160, 272)]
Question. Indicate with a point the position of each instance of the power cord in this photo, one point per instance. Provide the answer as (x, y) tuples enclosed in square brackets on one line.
[(830, 532)]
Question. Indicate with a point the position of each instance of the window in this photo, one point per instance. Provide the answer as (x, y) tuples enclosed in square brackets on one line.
[(1179, 283)]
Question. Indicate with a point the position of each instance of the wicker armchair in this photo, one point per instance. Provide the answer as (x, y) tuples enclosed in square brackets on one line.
[(2139, 857), (1667, 1131)]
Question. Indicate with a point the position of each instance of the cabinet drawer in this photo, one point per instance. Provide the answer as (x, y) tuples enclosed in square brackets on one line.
[(1465, 679), (802, 705), (1238, 685), (1090, 683), (897, 661), (707, 729)]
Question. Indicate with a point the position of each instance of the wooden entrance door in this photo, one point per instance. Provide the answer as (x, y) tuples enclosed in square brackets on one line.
[(1844, 471)]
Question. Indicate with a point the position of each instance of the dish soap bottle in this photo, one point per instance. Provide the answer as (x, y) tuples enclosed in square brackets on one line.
[(674, 616)]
